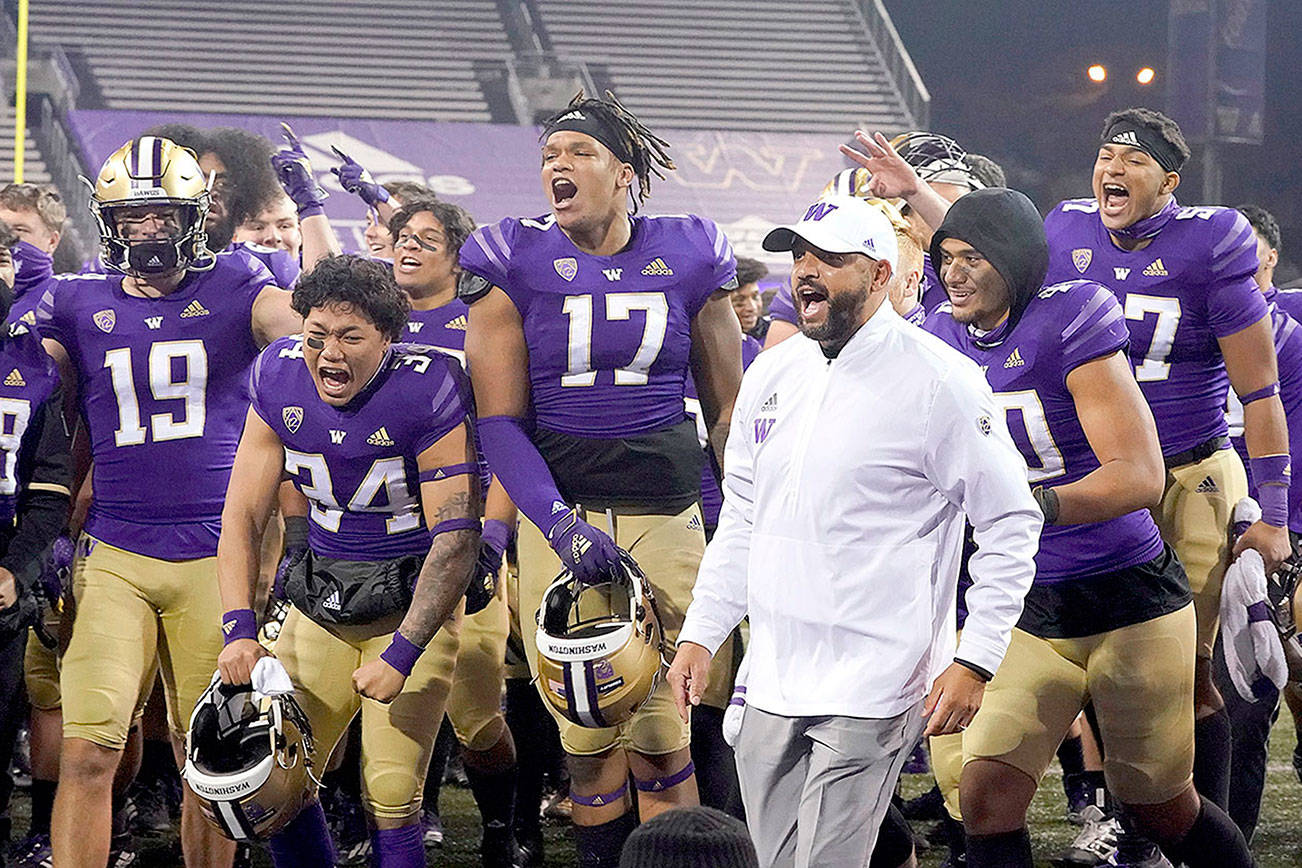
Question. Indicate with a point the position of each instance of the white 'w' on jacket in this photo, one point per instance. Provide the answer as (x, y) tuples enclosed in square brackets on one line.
[(846, 487)]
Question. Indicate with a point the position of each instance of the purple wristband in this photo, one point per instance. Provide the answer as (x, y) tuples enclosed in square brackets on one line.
[(1271, 475), (1258, 611), (402, 654), (436, 473), (239, 624), (312, 209), (1268, 392), (454, 524), (497, 534)]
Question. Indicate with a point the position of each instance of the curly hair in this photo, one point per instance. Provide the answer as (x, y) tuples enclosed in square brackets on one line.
[(1264, 223), (646, 150), (405, 191), (362, 283), (44, 199), (456, 221), (750, 271), (1156, 122), (986, 170), (247, 157)]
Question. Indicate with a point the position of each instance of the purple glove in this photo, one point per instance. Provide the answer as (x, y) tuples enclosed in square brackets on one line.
[(295, 547), (483, 584), (58, 568), (295, 173), (354, 178), (587, 552)]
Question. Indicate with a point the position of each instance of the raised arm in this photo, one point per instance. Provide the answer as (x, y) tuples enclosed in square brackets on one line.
[(250, 496), (273, 317), (295, 173)]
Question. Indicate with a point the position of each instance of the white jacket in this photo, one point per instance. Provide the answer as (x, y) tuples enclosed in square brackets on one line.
[(847, 484)]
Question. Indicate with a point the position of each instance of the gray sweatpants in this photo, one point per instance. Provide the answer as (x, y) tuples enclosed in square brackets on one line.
[(816, 788)]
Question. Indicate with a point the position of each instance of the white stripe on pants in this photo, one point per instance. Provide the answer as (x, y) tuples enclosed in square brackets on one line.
[(816, 788)]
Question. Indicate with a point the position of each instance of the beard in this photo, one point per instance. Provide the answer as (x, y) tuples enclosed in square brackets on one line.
[(844, 315)]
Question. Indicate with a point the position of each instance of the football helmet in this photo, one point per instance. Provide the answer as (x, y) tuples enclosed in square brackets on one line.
[(246, 759), (599, 645), (152, 171), (937, 159)]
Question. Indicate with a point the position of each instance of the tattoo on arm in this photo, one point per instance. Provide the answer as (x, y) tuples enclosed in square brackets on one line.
[(445, 573)]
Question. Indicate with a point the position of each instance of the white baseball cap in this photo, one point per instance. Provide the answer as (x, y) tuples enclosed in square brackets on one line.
[(841, 224)]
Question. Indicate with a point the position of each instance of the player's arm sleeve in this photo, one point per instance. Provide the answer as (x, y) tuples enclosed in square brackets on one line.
[(450, 403), (970, 458), (43, 502), (717, 250), (719, 596), (1233, 300), (485, 259), (1098, 330), (50, 323)]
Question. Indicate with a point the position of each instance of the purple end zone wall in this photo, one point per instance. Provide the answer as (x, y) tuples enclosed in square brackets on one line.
[(747, 182)]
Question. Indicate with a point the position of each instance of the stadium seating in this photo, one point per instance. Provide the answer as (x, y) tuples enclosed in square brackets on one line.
[(399, 59), (34, 169), (736, 64)]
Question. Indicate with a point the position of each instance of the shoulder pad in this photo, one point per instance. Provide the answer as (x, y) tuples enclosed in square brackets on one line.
[(472, 287)]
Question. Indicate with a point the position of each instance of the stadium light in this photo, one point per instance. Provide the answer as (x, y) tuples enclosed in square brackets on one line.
[(1145, 75), (1097, 72)]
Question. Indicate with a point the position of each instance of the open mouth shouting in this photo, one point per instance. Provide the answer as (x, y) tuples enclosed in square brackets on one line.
[(1114, 200), (563, 192), (407, 263), (813, 302), (335, 379)]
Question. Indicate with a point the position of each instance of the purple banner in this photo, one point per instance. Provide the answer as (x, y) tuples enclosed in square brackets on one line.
[(747, 182)]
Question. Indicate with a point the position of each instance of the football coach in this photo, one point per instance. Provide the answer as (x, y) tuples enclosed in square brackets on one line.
[(858, 450)]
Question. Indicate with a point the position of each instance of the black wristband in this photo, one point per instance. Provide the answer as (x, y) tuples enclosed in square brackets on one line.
[(295, 532), (977, 670), (1047, 499)]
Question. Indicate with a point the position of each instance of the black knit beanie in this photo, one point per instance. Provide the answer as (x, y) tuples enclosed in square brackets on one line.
[(696, 837)]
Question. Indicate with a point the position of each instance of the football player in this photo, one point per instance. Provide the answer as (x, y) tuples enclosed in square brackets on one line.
[(747, 300), (1184, 277), (378, 437), (159, 353), (35, 476), (584, 323), (275, 226), (1109, 598), (428, 235), (36, 214)]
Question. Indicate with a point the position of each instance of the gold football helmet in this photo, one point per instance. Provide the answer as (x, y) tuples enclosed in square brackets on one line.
[(246, 759), (599, 646), (152, 171)]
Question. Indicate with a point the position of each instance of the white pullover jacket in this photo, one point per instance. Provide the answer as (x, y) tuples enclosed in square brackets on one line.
[(846, 488)]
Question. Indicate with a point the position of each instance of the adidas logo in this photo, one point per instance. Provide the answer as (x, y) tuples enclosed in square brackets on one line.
[(154, 260), (770, 404), (228, 626), (15, 379), (459, 323), (380, 438), (1207, 486), (194, 309), (1015, 359), (332, 602), (1155, 269), (1126, 138), (694, 523), (658, 268)]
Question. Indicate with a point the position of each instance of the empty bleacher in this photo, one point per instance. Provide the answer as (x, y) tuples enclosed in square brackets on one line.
[(808, 66), (381, 59)]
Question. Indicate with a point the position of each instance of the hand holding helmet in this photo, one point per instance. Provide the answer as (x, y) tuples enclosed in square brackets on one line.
[(589, 554)]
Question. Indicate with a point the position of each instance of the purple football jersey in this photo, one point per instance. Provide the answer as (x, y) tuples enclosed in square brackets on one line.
[(1288, 300), (931, 292), (283, 267), (1065, 325), (356, 464), (608, 336), (443, 327), (711, 496), (782, 308), (163, 386), (1191, 285), (1288, 354), (28, 377)]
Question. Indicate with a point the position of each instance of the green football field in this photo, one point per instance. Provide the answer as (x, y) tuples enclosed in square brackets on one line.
[(1278, 841)]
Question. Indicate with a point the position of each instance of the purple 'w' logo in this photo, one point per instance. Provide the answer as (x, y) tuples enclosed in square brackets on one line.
[(818, 211), (762, 427)]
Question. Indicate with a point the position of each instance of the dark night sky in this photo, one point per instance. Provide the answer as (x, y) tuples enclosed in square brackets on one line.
[(1007, 79)]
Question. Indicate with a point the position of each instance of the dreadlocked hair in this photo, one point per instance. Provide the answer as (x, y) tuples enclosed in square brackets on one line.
[(646, 150)]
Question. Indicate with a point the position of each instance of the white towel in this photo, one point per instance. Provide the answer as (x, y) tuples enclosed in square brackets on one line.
[(270, 678), (1253, 652), (736, 707)]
